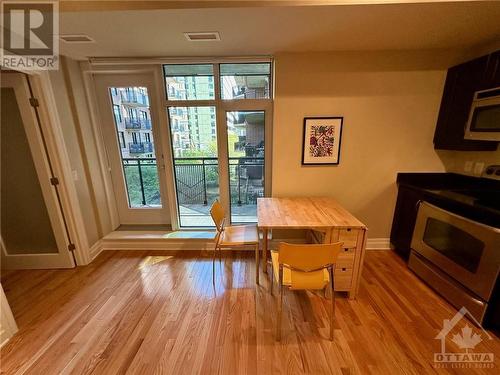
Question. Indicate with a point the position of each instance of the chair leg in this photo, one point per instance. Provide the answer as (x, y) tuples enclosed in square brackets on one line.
[(280, 305), (257, 260), (272, 280), (213, 265), (332, 312)]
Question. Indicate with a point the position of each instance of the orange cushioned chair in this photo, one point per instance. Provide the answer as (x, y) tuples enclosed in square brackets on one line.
[(233, 235), (300, 267)]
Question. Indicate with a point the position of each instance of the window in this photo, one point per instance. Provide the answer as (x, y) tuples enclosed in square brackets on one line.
[(136, 138), (117, 113), (137, 160), (245, 81), (122, 139), (194, 138), (189, 82)]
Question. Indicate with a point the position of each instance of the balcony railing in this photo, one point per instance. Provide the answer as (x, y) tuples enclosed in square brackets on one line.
[(137, 124), (134, 97), (197, 179), (141, 176), (140, 147), (261, 93)]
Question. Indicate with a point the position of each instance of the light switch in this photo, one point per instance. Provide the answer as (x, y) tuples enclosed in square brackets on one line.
[(75, 175)]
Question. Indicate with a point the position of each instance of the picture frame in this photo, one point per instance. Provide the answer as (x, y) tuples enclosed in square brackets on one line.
[(321, 141)]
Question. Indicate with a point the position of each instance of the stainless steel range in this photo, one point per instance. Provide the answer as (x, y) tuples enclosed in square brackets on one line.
[(457, 256)]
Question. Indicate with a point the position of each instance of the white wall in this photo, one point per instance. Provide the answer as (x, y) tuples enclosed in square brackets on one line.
[(389, 102)]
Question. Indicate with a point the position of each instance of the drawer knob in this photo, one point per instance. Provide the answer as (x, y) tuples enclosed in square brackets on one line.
[(346, 249), (343, 269), (348, 229)]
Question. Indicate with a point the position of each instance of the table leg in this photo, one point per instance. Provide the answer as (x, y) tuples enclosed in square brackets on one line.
[(264, 250)]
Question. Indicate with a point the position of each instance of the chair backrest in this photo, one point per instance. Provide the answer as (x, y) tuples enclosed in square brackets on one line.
[(306, 258), (218, 215)]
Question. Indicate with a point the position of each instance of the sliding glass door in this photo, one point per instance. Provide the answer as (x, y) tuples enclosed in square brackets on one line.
[(219, 119)]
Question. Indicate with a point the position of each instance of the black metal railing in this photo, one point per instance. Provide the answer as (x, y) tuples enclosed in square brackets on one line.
[(252, 93), (197, 180), (140, 147), (246, 179), (136, 124), (141, 177)]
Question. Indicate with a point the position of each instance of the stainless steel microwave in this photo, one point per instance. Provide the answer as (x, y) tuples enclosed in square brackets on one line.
[(484, 116)]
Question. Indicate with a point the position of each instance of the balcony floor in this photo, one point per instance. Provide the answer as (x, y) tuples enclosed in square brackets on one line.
[(198, 215)]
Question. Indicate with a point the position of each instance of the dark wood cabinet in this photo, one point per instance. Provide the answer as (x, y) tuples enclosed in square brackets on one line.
[(462, 81), (405, 215), (491, 77)]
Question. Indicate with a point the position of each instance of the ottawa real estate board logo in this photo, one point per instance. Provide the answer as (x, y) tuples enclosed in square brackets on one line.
[(30, 35), (466, 337)]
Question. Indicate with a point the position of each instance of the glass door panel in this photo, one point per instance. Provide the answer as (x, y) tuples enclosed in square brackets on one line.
[(194, 148), (136, 141), (245, 140), (129, 119)]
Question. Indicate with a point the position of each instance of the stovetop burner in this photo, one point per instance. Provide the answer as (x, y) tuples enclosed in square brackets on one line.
[(488, 199)]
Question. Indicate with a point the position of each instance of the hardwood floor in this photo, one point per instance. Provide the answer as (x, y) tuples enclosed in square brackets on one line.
[(147, 313)]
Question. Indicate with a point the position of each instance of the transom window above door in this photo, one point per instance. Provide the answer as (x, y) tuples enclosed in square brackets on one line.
[(189, 82)]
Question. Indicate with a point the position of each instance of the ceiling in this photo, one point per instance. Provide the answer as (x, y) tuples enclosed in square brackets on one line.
[(269, 30)]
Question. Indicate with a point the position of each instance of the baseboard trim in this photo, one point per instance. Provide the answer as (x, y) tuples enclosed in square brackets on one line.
[(182, 245), (95, 250), (378, 244), (157, 245)]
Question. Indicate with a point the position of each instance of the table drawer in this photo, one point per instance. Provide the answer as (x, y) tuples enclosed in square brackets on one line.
[(343, 278), (349, 237), (346, 257)]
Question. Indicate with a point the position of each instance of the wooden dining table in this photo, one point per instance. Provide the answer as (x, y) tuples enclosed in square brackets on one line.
[(323, 215)]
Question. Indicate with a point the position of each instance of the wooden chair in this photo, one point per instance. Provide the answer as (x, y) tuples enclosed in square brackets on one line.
[(233, 236), (300, 267)]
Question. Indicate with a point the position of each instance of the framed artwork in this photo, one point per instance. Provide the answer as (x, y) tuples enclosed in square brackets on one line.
[(321, 143)]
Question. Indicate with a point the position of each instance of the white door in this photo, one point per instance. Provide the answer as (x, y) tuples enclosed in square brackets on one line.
[(8, 326), (33, 230), (130, 127)]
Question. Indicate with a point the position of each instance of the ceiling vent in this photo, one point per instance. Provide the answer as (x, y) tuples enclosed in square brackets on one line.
[(203, 37), (80, 38)]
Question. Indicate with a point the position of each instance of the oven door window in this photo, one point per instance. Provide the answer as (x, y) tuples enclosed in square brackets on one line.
[(454, 243), (486, 119)]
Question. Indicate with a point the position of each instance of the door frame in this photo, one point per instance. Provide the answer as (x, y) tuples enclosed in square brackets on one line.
[(39, 86), (221, 107), (97, 66), (247, 105)]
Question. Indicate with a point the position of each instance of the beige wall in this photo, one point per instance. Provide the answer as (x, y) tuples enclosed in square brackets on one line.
[(389, 102), (72, 139)]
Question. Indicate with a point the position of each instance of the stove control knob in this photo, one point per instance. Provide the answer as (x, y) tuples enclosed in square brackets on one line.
[(489, 171)]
